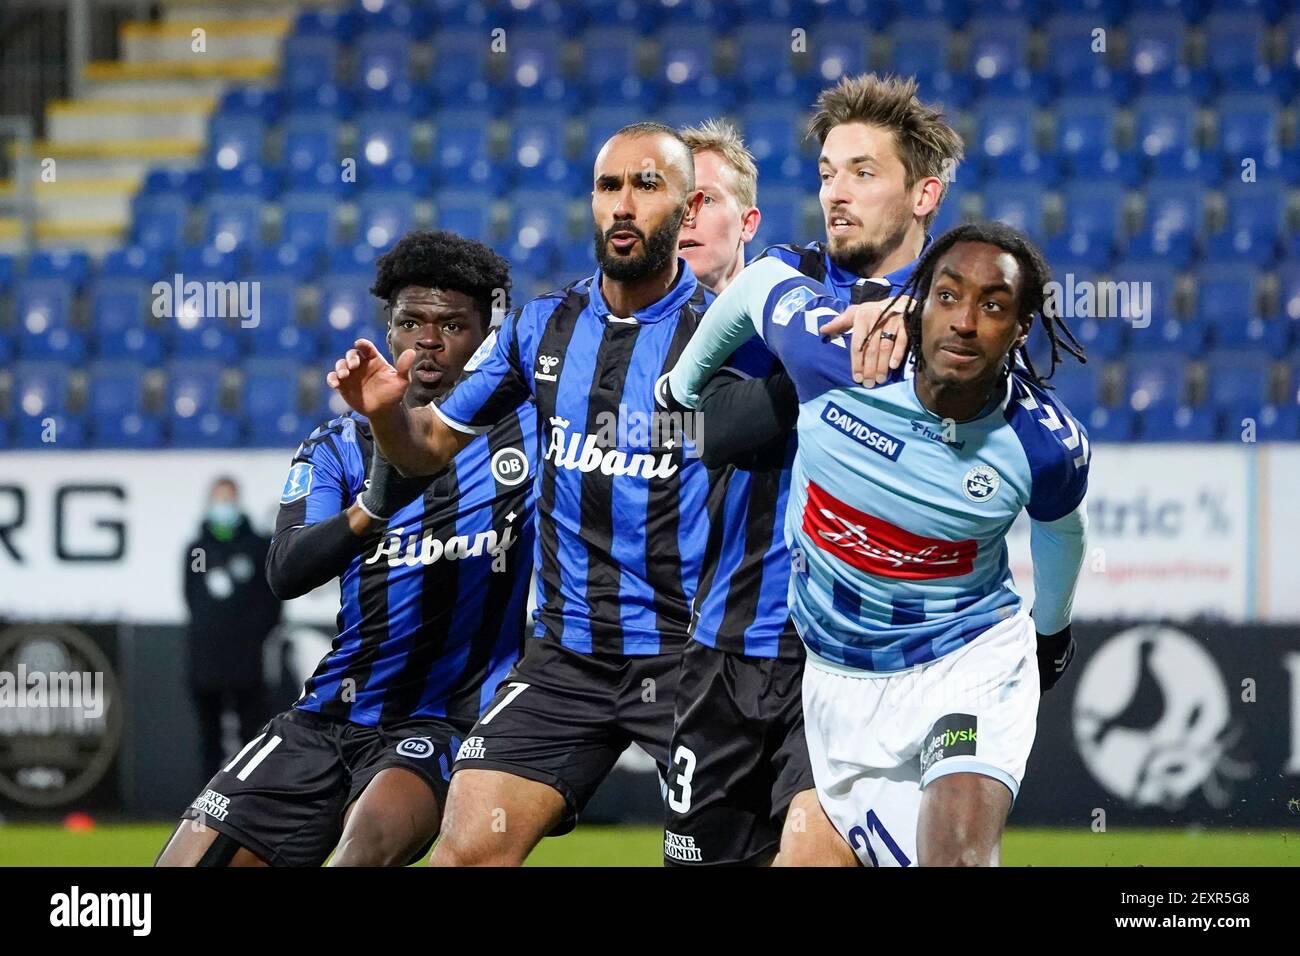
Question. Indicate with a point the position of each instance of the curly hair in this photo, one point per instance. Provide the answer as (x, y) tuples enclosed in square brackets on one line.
[(444, 260), (1034, 278)]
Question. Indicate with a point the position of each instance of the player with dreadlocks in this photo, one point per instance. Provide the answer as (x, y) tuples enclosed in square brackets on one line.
[(924, 671)]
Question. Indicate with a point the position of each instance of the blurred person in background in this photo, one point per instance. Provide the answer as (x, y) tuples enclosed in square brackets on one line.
[(232, 611)]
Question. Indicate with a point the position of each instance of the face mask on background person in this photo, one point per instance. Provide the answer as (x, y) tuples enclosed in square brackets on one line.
[(222, 517)]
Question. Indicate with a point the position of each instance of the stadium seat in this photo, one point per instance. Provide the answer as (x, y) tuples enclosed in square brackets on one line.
[(1270, 336), (1004, 126), (277, 332), (1238, 41), (235, 140), (1154, 381), (269, 402), (1094, 210), (1164, 125), (70, 265), (685, 53), (838, 50), (348, 311), (464, 213), (1084, 124), (1225, 294), (1288, 276), (382, 138), (998, 45), (1156, 42), (460, 156), (309, 61), (383, 218), (782, 219), (1101, 338), (1234, 379), (195, 418), (382, 59), (39, 389), (764, 50), (1078, 386), (1069, 37), (609, 55), (252, 101), (298, 262), (1169, 336), (232, 222), (43, 308), (115, 400), (306, 218), (1248, 125), (159, 221), (1110, 424), (119, 319), (918, 45), (309, 141), (1019, 205), (1178, 423), (129, 262)]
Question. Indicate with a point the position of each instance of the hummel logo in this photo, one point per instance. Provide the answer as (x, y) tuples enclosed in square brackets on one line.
[(547, 365)]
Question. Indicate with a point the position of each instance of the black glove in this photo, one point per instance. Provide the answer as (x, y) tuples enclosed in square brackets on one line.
[(1055, 651), (387, 490)]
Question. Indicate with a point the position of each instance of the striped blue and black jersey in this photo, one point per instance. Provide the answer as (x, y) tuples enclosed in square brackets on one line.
[(621, 490), (742, 606), (433, 610)]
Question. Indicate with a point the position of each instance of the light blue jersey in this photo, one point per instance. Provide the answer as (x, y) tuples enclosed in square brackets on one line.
[(896, 520)]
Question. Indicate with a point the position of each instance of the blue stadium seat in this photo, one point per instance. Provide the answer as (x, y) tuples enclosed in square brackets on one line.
[(460, 156), (1237, 41), (277, 332), (309, 141), (1004, 126), (1101, 338), (71, 265), (998, 45), (1254, 222), (115, 403), (309, 61), (207, 262), (1164, 125), (782, 219), (1170, 336), (1094, 210), (299, 262), (382, 59), (64, 431), (1078, 386), (1084, 124), (348, 311), (1154, 381), (764, 53), (269, 401), (533, 74), (195, 417), (40, 389), (129, 262), (356, 261), (609, 55), (772, 135), (1123, 167), (1018, 204), (43, 308), (685, 53), (1069, 39), (234, 140), (918, 45), (165, 181), (159, 222), (232, 222), (536, 139), (256, 102), (1270, 336), (1288, 278), (1225, 293), (466, 214), (1235, 379), (1178, 423), (382, 138), (383, 218), (1174, 208), (711, 14), (307, 218), (1110, 424), (411, 99), (460, 14), (1091, 250), (392, 16), (1248, 125), (1270, 422), (838, 49), (339, 24), (459, 58), (120, 325), (1156, 278), (324, 99), (1156, 42)]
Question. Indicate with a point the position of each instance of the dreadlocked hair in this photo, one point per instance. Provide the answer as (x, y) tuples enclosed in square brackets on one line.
[(1034, 279)]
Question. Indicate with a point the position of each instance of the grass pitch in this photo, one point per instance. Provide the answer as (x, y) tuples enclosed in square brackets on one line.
[(138, 844)]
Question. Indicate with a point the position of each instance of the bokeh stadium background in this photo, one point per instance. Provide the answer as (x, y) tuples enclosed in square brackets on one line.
[(283, 146)]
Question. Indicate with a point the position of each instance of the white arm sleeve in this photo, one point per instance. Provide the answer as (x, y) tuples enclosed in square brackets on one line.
[(734, 316), (1057, 548)]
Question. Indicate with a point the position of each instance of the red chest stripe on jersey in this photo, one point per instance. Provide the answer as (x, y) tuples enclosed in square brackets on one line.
[(874, 545)]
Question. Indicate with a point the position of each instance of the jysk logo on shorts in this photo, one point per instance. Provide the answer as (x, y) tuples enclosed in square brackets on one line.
[(880, 442), (417, 747), (953, 735)]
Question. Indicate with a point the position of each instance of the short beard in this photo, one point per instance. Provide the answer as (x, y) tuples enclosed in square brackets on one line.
[(864, 258), (660, 250)]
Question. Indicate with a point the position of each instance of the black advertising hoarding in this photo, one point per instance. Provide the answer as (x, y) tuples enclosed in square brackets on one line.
[(1170, 724)]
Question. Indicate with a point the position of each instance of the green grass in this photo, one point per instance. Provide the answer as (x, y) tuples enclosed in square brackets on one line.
[(138, 844)]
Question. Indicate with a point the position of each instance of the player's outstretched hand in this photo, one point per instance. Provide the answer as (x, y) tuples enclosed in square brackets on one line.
[(367, 382), (879, 341), (1055, 651)]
